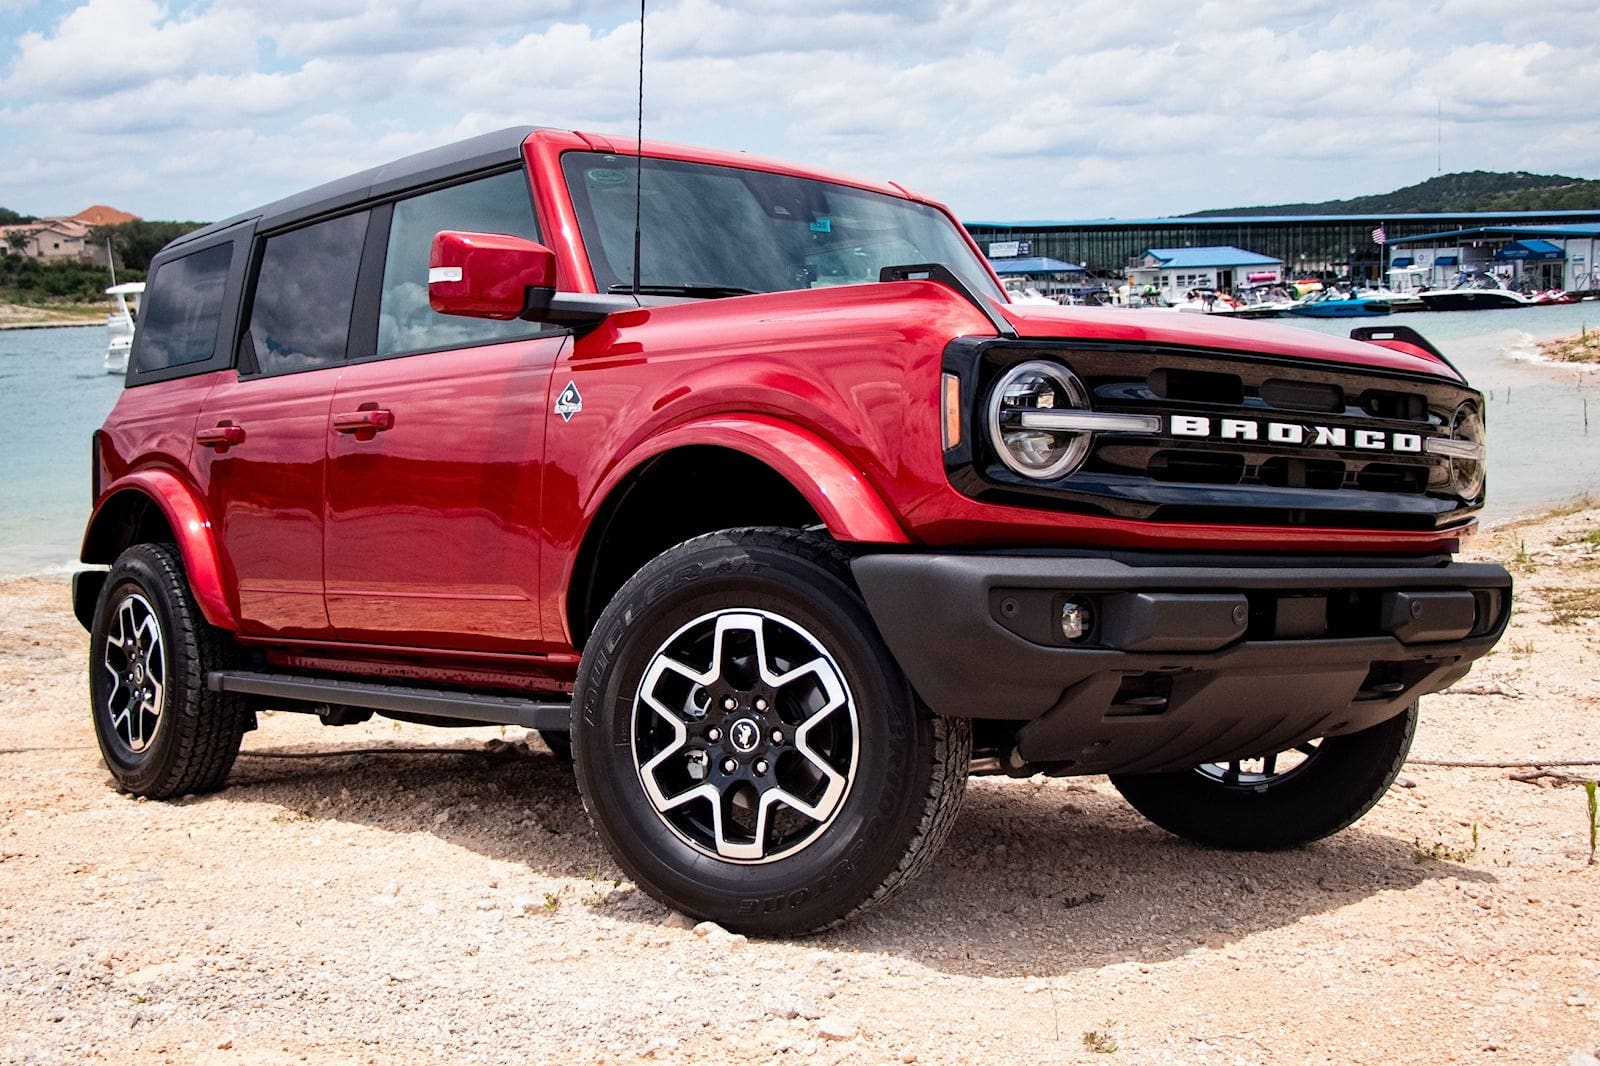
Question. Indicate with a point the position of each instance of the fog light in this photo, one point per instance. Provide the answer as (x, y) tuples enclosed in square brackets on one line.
[(1077, 618)]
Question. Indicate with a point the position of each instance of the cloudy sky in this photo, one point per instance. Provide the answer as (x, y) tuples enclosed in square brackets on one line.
[(1005, 109)]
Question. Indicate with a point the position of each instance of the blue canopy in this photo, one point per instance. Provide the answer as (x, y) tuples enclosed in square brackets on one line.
[(1530, 248), (1037, 264), (1203, 258)]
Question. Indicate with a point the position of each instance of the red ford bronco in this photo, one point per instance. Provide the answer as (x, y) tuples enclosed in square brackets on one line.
[(750, 481)]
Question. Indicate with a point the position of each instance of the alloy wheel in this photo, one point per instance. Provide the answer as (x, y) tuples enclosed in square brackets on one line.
[(745, 735), (135, 660)]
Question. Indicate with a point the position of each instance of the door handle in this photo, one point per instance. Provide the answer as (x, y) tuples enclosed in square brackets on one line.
[(370, 419), (221, 437)]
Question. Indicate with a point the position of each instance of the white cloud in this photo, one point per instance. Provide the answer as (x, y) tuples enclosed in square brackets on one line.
[(1005, 108), (107, 45)]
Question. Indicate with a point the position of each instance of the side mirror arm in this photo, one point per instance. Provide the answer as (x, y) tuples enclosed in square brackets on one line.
[(577, 311)]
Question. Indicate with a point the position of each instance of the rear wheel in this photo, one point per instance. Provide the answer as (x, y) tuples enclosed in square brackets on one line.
[(745, 745), (160, 731), (1279, 800)]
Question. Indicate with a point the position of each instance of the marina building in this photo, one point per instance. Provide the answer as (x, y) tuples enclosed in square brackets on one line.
[(1174, 271), (1343, 245), (1523, 257)]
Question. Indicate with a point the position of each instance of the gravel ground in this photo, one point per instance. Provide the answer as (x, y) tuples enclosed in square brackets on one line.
[(449, 902)]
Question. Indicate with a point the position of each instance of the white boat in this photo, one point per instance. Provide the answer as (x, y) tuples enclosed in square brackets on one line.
[(119, 324), (1020, 292), (1474, 292)]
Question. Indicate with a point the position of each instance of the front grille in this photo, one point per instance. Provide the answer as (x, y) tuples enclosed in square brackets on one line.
[(1244, 439)]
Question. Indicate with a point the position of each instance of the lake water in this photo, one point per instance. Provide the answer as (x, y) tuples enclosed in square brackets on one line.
[(54, 394)]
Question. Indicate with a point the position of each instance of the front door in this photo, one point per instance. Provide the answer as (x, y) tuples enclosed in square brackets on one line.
[(434, 468), (435, 449)]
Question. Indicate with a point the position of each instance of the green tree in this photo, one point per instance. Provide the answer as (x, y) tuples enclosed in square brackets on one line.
[(137, 242)]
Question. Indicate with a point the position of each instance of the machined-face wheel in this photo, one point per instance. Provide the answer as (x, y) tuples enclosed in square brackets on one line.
[(161, 731), (745, 745), (134, 663), (745, 735)]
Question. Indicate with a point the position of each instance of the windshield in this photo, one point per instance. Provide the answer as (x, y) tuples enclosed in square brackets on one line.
[(716, 230)]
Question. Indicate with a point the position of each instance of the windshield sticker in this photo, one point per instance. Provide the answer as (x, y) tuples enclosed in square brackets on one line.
[(569, 402), (822, 225), (605, 176)]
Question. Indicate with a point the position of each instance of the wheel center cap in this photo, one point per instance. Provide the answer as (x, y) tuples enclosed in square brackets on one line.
[(744, 735), (138, 674)]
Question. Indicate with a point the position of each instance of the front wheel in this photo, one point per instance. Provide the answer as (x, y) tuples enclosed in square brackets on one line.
[(746, 747), (1278, 800), (161, 732)]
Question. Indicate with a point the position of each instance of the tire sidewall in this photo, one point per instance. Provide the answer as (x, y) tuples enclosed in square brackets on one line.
[(829, 876)]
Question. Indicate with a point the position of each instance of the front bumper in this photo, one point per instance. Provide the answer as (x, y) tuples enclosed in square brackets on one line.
[(1183, 659)]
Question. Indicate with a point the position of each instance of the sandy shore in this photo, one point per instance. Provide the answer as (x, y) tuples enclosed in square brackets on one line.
[(16, 316), (1579, 348), (446, 901)]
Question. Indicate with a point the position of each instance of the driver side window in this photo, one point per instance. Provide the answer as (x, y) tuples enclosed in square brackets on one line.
[(406, 323)]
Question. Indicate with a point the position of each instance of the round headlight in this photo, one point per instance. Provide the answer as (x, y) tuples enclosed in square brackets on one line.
[(1467, 472), (1036, 451)]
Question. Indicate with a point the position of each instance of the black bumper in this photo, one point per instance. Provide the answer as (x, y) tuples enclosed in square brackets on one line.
[(1181, 660)]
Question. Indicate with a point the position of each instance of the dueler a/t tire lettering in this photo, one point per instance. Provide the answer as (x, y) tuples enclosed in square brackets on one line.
[(746, 747)]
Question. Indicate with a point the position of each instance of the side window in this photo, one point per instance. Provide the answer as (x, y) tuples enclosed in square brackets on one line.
[(406, 323), (180, 315), (305, 289)]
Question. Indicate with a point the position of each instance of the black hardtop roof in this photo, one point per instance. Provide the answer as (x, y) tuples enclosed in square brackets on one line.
[(424, 168)]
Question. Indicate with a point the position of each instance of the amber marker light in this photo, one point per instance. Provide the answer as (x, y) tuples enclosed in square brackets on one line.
[(951, 386)]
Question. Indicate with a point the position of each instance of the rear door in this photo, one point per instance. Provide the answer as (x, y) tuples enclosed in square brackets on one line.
[(261, 456), (435, 450)]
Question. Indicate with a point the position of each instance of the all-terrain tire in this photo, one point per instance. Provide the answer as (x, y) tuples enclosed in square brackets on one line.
[(161, 732), (1340, 780), (742, 667)]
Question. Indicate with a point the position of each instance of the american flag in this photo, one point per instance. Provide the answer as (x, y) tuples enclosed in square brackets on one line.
[(1378, 236)]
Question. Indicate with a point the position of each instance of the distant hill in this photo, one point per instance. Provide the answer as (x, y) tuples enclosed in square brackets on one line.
[(1474, 190)]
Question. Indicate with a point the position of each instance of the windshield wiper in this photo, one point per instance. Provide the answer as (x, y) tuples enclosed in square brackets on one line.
[(708, 291)]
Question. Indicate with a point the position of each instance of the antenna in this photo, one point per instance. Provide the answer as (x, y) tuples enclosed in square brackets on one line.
[(638, 158)]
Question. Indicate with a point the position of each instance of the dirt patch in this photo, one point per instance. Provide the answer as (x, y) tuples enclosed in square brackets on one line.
[(1579, 348), (391, 894)]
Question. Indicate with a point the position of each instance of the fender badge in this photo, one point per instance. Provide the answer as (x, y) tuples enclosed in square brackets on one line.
[(569, 402)]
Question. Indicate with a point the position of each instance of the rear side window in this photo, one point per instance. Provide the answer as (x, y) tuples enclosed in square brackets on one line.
[(182, 310), (406, 323), (305, 290)]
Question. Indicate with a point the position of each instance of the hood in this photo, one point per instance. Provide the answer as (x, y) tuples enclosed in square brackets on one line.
[(1187, 330)]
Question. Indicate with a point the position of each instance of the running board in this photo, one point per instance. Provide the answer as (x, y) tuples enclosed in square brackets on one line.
[(496, 710)]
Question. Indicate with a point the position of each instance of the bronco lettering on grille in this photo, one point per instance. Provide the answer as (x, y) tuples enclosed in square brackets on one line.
[(1248, 429)]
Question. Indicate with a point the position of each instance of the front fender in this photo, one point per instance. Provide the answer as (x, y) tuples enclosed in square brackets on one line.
[(847, 504), (106, 537)]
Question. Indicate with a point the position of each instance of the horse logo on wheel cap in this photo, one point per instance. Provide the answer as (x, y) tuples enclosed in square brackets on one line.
[(744, 736)]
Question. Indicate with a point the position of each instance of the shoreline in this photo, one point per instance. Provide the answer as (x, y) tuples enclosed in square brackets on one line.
[(7, 326), (29, 316)]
